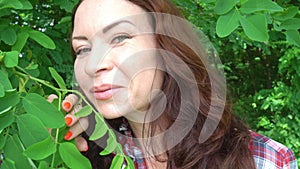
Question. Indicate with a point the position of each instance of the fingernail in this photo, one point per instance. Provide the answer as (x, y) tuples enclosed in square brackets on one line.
[(51, 97), (86, 149), (67, 105), (68, 121), (68, 135)]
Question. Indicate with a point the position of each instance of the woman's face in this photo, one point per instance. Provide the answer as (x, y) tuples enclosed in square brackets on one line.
[(116, 64)]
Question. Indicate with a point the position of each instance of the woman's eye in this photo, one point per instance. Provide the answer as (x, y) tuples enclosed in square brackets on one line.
[(82, 51), (119, 39)]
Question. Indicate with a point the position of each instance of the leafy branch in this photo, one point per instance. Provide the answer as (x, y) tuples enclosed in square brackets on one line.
[(45, 115)]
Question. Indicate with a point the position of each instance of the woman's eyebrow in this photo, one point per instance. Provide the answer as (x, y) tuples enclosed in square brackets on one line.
[(79, 38), (104, 30), (110, 26)]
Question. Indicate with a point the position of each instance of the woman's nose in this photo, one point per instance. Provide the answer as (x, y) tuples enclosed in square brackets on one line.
[(98, 61)]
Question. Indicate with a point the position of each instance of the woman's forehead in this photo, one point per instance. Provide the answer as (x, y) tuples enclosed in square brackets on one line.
[(94, 15), (105, 10)]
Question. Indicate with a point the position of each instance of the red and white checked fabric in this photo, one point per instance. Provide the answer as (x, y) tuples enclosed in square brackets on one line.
[(267, 153)]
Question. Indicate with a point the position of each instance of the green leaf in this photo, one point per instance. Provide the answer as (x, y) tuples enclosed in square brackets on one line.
[(293, 37), (34, 151), (26, 5), (6, 119), (14, 151), (255, 27), (208, 1), (68, 5), (21, 41), (5, 12), (243, 1), (37, 89), (66, 19), (117, 162), (10, 99), (288, 13), (43, 165), (72, 157), (2, 90), (42, 39), (85, 111), (11, 59), (226, 24), (100, 130), (223, 7), (6, 110), (31, 129), (59, 80), (10, 4), (130, 163), (38, 106), (9, 36), (32, 67), (2, 140), (290, 24), (4, 80), (33, 70), (8, 164), (1, 55), (111, 145), (252, 6)]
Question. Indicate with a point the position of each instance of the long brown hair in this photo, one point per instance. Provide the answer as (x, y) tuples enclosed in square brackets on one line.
[(227, 147)]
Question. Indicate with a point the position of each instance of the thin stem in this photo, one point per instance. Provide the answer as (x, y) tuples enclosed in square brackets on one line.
[(44, 82), (57, 130), (22, 84), (29, 160), (59, 101)]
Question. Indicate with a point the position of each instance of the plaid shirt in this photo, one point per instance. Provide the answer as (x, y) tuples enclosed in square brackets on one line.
[(267, 153), (130, 149)]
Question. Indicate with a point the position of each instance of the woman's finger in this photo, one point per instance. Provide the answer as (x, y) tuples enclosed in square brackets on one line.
[(81, 144), (69, 102), (77, 128), (51, 97), (70, 118)]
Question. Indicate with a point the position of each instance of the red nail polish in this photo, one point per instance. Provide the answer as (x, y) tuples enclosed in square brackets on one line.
[(67, 105), (68, 121), (68, 135)]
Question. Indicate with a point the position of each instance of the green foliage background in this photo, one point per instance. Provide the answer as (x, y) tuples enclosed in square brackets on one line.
[(258, 42), (262, 67)]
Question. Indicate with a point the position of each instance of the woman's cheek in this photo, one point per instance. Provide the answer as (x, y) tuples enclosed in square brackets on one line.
[(80, 75)]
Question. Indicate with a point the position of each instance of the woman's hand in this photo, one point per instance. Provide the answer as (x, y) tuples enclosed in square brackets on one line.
[(77, 125)]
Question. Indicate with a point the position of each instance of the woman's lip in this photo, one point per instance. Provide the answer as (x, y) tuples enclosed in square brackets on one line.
[(103, 95), (104, 92)]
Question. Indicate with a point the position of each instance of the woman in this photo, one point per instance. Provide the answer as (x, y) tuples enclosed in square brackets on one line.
[(148, 75)]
